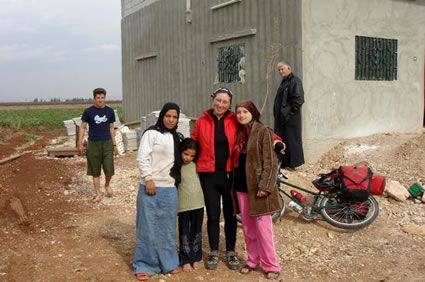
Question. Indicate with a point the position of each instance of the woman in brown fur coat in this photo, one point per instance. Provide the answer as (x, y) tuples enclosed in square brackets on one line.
[(256, 167)]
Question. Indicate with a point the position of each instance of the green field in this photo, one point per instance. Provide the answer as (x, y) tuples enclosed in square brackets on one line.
[(50, 118)]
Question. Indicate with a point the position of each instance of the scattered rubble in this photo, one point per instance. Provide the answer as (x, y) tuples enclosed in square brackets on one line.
[(397, 191), (96, 241), (414, 229)]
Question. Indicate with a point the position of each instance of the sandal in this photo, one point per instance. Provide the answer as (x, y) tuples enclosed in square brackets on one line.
[(272, 274), (142, 276), (174, 271), (246, 269)]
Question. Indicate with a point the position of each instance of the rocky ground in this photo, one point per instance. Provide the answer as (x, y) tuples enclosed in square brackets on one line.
[(67, 238)]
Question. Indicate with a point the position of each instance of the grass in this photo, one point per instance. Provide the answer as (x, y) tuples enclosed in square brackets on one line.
[(31, 118), (30, 137)]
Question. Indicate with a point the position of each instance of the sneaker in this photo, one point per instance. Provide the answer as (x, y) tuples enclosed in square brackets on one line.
[(233, 262), (212, 260)]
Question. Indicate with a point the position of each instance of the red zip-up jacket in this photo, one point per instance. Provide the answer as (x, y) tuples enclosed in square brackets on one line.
[(203, 133)]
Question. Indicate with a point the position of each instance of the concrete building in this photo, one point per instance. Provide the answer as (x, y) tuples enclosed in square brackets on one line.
[(361, 62)]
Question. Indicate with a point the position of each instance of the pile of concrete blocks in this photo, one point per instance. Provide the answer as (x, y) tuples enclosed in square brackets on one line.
[(77, 121), (119, 142), (70, 127), (129, 139), (143, 126), (184, 125), (139, 133), (149, 120)]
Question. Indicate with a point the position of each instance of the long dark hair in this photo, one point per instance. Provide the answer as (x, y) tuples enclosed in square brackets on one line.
[(159, 126)]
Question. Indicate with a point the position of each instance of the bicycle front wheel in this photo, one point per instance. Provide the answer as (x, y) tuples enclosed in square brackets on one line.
[(349, 214), (277, 215)]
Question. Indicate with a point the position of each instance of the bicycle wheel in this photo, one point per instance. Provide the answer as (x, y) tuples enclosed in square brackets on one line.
[(277, 215), (349, 214), (274, 215)]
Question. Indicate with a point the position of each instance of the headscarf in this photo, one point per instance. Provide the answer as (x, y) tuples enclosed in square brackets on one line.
[(244, 130), (159, 126)]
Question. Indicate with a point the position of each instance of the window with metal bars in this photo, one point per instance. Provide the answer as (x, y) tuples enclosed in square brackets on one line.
[(230, 63), (376, 58)]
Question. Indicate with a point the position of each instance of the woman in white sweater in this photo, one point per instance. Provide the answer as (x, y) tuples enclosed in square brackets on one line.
[(159, 163)]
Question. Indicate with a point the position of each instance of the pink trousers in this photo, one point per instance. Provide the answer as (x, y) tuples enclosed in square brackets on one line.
[(258, 233)]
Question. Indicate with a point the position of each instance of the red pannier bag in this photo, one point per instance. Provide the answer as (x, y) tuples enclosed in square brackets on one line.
[(355, 182), (378, 185)]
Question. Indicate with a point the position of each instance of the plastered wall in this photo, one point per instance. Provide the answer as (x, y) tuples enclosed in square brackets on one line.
[(338, 106)]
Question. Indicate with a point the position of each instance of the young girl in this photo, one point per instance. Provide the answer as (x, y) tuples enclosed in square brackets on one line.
[(191, 208)]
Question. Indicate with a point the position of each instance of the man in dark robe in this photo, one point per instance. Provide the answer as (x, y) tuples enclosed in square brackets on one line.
[(287, 116)]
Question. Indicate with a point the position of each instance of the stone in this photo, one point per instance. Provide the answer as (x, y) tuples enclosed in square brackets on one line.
[(397, 191), (414, 229)]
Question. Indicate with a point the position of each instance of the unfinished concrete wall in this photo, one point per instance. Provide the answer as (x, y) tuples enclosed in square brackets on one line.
[(131, 6), (338, 106), (170, 50)]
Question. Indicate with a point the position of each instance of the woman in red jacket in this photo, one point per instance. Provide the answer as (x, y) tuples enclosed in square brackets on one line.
[(215, 133)]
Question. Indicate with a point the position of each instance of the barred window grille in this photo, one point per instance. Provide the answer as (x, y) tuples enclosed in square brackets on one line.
[(230, 63), (376, 58)]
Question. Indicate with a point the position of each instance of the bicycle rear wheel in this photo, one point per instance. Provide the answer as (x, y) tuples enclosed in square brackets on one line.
[(349, 214)]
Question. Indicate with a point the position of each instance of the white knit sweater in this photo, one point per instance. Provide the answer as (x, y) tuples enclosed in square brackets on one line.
[(155, 158)]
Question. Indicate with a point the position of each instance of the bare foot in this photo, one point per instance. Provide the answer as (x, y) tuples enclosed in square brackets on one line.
[(109, 191), (196, 265), (96, 199), (187, 267)]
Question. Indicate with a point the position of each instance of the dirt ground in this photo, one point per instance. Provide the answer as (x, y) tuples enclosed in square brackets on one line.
[(67, 238)]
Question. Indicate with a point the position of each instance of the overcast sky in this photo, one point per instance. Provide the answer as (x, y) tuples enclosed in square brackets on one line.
[(59, 49)]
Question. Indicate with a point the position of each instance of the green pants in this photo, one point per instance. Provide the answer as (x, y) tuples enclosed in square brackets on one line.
[(100, 154)]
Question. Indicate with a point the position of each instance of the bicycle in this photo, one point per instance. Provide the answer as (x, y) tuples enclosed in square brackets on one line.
[(330, 203)]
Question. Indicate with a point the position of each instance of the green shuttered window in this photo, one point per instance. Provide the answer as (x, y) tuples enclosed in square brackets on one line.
[(376, 58)]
